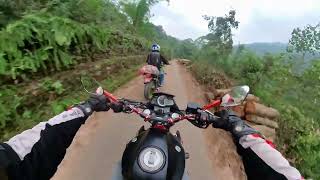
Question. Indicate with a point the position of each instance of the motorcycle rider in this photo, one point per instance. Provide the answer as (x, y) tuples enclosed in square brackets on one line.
[(156, 59), (36, 153)]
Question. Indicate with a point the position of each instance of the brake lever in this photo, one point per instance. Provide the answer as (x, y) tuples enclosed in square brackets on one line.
[(209, 112), (215, 118)]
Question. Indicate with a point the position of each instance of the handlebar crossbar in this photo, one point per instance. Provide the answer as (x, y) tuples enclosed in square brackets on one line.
[(132, 105)]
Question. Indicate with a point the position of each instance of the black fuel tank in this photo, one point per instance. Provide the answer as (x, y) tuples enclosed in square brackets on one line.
[(155, 155)]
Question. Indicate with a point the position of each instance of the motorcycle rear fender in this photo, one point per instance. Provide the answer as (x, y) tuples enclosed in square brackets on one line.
[(147, 79)]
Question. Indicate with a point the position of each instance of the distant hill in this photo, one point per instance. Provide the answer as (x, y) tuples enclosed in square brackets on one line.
[(262, 48)]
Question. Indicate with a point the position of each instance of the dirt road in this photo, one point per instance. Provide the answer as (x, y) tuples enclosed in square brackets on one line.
[(99, 144)]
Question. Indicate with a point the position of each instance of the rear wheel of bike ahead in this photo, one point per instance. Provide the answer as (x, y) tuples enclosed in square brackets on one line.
[(149, 89)]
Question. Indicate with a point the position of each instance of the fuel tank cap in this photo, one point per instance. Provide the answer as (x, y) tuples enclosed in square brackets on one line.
[(151, 159)]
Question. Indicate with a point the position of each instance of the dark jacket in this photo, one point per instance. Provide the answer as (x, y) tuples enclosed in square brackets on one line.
[(156, 59), (36, 153)]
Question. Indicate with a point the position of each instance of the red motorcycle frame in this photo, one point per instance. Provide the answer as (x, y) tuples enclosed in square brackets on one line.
[(138, 111)]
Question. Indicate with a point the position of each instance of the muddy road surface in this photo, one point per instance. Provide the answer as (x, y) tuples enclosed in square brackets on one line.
[(99, 144)]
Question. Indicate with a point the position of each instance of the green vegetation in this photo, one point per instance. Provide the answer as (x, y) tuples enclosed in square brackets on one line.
[(221, 34), (41, 43), (23, 105), (138, 11), (280, 80), (46, 45), (305, 40)]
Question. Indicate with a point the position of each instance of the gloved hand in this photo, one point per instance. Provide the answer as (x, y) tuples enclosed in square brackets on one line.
[(117, 107), (202, 116), (202, 119), (95, 103), (231, 122)]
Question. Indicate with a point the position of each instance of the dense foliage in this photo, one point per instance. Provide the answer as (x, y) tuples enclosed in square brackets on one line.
[(40, 42), (44, 45), (281, 81)]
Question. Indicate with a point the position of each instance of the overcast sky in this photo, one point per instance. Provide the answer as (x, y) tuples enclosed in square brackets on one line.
[(260, 20)]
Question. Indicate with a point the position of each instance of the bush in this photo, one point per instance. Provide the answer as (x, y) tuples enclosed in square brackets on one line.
[(250, 68), (207, 75), (51, 86), (40, 42), (299, 137), (9, 105)]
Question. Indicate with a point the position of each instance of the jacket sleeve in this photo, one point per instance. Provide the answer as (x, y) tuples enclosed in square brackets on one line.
[(37, 152), (148, 57), (262, 161), (164, 60)]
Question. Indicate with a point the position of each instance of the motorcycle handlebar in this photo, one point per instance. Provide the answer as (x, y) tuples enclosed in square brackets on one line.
[(132, 105), (110, 96), (171, 121)]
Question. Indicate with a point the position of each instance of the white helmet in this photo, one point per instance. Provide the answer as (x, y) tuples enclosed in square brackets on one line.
[(155, 47)]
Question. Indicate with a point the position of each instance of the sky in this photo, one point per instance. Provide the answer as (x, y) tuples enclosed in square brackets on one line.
[(260, 20)]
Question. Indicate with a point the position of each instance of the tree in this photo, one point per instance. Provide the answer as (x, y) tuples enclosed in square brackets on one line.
[(240, 49), (220, 36), (138, 11), (305, 40), (186, 49)]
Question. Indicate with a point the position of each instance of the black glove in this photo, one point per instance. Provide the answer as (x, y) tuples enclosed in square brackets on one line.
[(231, 122), (95, 103), (117, 107), (202, 116), (202, 119)]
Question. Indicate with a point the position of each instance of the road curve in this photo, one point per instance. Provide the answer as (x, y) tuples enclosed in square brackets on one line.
[(99, 144)]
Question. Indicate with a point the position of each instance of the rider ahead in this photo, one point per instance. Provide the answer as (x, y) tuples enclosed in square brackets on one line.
[(156, 59), (36, 153)]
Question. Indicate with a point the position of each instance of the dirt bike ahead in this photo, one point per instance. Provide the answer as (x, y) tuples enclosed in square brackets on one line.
[(151, 80)]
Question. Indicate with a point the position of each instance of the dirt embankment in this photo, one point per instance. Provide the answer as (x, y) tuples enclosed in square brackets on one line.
[(222, 150)]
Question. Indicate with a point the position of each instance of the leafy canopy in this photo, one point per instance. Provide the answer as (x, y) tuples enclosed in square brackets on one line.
[(220, 36), (138, 11), (306, 40)]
